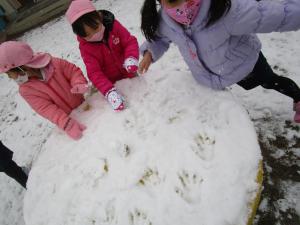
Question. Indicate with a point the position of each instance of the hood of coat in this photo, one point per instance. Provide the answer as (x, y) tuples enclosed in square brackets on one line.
[(49, 70)]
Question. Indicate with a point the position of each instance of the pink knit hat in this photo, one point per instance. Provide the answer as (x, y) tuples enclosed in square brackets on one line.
[(14, 54), (78, 8)]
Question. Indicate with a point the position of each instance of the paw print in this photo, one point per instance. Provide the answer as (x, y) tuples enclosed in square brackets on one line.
[(190, 186), (204, 147), (138, 217)]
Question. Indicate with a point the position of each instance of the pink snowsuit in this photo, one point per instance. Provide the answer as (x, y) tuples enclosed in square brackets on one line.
[(52, 98)]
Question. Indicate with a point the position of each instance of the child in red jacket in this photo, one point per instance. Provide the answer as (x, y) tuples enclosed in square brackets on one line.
[(108, 50)]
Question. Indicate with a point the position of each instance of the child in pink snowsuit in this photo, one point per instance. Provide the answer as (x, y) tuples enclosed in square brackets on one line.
[(108, 50), (53, 87)]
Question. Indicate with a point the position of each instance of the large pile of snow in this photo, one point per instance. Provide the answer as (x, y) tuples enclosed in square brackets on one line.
[(179, 154)]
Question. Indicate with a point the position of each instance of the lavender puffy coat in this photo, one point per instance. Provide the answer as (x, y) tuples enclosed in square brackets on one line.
[(226, 52)]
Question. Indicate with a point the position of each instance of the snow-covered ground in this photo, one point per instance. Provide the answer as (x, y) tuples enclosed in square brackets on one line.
[(26, 133)]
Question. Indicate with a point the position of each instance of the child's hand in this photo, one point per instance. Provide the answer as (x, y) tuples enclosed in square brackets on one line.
[(131, 65), (74, 129), (115, 99), (145, 63), (79, 89)]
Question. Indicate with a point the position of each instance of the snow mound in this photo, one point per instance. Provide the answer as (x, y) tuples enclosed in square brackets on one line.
[(179, 154)]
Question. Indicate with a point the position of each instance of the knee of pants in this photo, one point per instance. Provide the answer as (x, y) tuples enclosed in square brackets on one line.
[(268, 85), (247, 86), (5, 164)]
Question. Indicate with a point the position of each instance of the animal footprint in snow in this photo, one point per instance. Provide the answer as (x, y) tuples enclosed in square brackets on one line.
[(204, 146), (190, 186), (139, 218)]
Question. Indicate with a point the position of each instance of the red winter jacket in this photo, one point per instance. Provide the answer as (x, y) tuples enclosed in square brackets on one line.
[(104, 60)]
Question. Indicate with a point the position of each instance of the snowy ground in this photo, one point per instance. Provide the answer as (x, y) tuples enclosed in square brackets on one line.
[(271, 113), (279, 136)]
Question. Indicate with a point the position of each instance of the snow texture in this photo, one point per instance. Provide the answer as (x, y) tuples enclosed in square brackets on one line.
[(179, 154)]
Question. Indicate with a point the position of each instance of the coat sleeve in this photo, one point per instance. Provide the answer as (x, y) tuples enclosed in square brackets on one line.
[(44, 106), (157, 47), (72, 72), (251, 16), (95, 73), (128, 41)]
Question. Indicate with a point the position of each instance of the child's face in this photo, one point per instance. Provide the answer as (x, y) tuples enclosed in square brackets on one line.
[(90, 31), (173, 4), (14, 73), (21, 71)]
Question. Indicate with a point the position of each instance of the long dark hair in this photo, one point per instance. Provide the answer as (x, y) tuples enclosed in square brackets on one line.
[(150, 17)]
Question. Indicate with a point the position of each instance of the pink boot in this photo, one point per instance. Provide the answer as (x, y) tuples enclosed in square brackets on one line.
[(297, 109)]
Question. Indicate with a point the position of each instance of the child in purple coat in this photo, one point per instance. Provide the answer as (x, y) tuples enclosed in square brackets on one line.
[(218, 42)]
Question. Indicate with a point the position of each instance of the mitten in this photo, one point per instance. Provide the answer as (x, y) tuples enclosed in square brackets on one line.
[(115, 99), (74, 129), (79, 89), (131, 64)]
